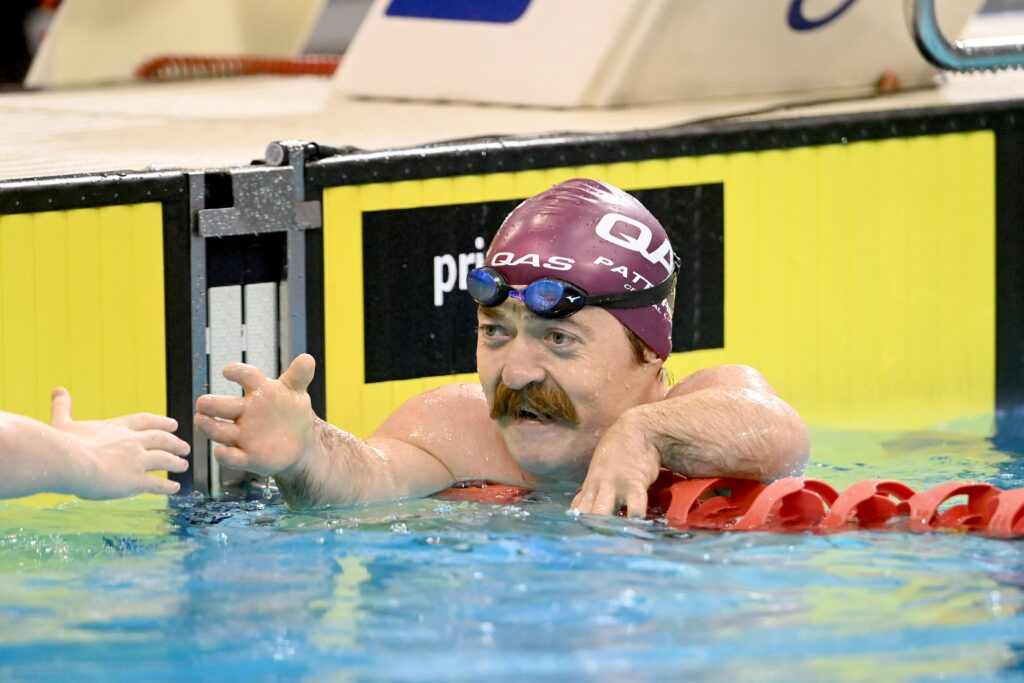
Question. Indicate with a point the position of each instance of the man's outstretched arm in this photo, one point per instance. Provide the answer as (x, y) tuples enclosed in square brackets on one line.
[(273, 430), (91, 459), (723, 421)]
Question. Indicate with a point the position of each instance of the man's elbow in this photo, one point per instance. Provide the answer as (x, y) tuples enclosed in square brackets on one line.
[(789, 443), (774, 441)]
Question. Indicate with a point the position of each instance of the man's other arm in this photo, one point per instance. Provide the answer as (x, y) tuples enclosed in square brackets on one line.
[(726, 421), (426, 445), (722, 421)]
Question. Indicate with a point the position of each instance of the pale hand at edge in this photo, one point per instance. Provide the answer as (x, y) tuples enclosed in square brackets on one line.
[(266, 430), (113, 458)]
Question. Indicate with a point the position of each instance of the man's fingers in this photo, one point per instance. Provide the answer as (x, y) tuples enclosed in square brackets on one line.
[(164, 462), (300, 373), (156, 439), (216, 430), (143, 421), (60, 406), (636, 503), (584, 501), (604, 501), (159, 485), (248, 376), (232, 457), (603, 498), (226, 407)]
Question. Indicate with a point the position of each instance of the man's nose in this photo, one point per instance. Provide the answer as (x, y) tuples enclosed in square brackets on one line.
[(522, 364)]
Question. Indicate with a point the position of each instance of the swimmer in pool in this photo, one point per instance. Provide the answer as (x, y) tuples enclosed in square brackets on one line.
[(95, 459), (574, 324)]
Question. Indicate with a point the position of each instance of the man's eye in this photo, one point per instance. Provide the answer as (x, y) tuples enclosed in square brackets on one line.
[(490, 330), (559, 338)]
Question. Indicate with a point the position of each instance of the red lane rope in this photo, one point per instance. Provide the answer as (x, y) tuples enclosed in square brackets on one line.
[(484, 492), (869, 504), (803, 504), (1008, 518)]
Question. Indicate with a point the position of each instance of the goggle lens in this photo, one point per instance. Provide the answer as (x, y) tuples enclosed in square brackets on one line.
[(485, 286), (544, 296)]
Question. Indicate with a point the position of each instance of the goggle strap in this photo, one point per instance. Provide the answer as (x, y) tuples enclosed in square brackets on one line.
[(634, 298)]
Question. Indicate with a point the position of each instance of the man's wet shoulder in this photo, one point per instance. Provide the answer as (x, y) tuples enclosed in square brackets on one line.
[(465, 393)]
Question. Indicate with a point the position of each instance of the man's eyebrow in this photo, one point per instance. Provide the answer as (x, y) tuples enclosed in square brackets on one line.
[(570, 322), (491, 313), (499, 315)]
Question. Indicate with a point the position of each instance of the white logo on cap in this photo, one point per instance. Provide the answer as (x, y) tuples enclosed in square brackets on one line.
[(633, 235)]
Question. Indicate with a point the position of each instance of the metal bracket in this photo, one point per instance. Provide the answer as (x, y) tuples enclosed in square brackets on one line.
[(1004, 52), (269, 197), (265, 200)]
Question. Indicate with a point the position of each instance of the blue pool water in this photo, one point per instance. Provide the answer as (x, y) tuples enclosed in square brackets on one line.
[(435, 590)]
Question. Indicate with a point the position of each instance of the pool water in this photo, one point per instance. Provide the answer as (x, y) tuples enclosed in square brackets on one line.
[(439, 590)]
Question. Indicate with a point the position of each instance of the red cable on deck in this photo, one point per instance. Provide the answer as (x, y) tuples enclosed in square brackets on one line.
[(186, 67)]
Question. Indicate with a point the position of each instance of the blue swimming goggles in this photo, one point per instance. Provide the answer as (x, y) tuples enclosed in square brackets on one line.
[(553, 298)]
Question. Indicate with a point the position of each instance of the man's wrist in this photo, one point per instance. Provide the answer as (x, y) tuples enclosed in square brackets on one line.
[(653, 424), (302, 482), (75, 464), (637, 424), (307, 453), (635, 433)]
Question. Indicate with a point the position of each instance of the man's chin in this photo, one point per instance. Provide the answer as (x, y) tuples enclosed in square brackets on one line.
[(548, 449)]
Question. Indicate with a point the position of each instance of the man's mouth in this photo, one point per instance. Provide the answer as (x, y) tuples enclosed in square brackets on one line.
[(524, 416), (533, 405)]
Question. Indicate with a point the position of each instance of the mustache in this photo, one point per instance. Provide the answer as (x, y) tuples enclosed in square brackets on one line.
[(548, 401)]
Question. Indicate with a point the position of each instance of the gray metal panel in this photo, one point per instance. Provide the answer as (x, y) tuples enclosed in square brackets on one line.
[(265, 200), (200, 367)]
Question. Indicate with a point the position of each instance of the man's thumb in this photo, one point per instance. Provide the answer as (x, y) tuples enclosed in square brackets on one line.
[(300, 373), (60, 406)]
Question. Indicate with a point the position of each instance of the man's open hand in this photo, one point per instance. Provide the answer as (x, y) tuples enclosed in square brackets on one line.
[(115, 456), (266, 431), (624, 466)]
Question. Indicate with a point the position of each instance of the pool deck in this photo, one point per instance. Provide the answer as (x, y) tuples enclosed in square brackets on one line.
[(222, 123)]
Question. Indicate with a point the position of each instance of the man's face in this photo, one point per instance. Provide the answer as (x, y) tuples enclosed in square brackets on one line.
[(526, 363)]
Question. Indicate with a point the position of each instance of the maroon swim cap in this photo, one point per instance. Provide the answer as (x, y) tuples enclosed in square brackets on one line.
[(600, 239)]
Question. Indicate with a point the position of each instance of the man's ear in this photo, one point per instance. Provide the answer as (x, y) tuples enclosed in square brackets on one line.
[(655, 363)]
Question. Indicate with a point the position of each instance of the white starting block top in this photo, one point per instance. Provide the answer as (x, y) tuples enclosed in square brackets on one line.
[(228, 123), (577, 53)]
